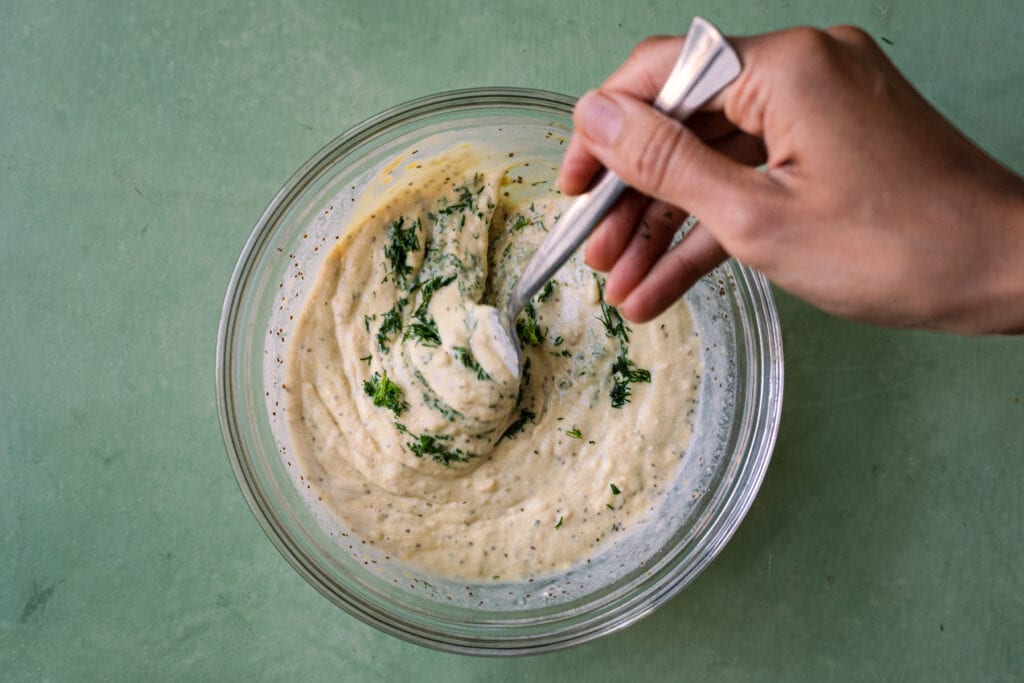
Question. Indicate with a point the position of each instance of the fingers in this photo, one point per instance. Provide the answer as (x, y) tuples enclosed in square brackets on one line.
[(675, 271), (654, 232), (607, 242), (636, 234), (704, 167), (578, 167), (641, 76), (660, 157), (647, 67)]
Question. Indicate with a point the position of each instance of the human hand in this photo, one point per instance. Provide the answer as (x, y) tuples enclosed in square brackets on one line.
[(872, 206)]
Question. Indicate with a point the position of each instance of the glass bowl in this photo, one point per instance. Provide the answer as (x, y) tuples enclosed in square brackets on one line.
[(722, 469)]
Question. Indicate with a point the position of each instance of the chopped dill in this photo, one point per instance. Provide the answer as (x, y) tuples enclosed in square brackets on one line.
[(624, 373), (547, 292), (403, 240), (575, 433), (528, 328), (517, 426), (624, 367), (423, 332), (614, 325), (385, 393), (434, 447), (524, 382), (465, 356), (390, 324), (431, 400), (464, 202), (620, 394), (427, 289)]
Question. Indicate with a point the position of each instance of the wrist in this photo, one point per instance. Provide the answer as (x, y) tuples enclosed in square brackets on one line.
[(980, 288), (1002, 310)]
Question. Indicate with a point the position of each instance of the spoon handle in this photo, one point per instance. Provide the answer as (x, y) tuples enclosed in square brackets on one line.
[(706, 64)]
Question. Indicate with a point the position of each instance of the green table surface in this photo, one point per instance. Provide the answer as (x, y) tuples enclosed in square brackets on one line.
[(139, 143)]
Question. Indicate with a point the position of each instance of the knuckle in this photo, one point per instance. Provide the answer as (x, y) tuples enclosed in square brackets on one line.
[(641, 66), (642, 51), (808, 45), (746, 101), (814, 58), (685, 267), (661, 152), (748, 222), (754, 225), (851, 35)]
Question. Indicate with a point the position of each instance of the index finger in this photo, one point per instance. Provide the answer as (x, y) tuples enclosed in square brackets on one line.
[(647, 67), (641, 76)]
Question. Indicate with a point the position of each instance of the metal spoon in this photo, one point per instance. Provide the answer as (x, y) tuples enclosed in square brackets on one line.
[(706, 64)]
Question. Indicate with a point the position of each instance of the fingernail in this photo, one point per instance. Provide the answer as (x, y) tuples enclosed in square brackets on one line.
[(599, 117), (558, 183), (612, 295)]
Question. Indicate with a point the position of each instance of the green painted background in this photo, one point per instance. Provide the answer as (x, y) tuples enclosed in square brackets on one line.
[(139, 143)]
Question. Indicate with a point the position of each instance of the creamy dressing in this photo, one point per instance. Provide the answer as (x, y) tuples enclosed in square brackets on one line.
[(406, 412)]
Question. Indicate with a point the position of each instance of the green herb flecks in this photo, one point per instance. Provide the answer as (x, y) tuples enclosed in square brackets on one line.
[(517, 426), (465, 356), (620, 394), (547, 292), (575, 433), (614, 326), (390, 324), (434, 447), (519, 223), (624, 367), (528, 327), (385, 393), (427, 289), (615, 490), (402, 240), (624, 373), (560, 520), (463, 202), (524, 382), (431, 400), (423, 332)]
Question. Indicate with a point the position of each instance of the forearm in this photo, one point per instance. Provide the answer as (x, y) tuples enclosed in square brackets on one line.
[(1005, 311), (981, 291)]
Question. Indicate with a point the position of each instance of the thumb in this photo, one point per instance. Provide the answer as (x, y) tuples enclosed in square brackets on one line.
[(660, 157)]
